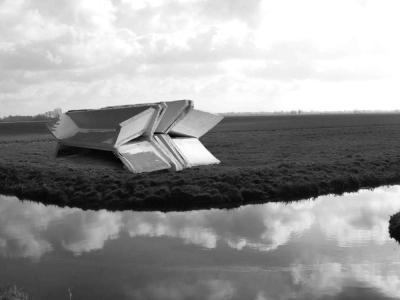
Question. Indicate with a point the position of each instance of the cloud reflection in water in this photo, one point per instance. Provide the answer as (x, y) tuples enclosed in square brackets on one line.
[(29, 229), (333, 242)]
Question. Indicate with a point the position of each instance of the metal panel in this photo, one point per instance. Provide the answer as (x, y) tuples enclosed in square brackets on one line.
[(195, 123), (106, 118), (165, 143), (174, 110), (101, 140), (63, 128), (194, 152), (142, 156), (136, 126), (139, 134)]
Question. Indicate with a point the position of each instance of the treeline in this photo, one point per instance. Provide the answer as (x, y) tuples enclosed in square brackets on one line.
[(40, 117)]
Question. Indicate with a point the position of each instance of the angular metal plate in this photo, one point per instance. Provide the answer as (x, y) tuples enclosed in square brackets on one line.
[(195, 123), (194, 152), (142, 156)]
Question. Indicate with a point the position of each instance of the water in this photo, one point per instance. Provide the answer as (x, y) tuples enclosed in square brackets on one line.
[(327, 248)]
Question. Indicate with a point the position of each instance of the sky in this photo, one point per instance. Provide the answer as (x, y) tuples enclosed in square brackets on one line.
[(226, 55)]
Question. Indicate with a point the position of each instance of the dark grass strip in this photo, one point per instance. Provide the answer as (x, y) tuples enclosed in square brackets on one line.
[(188, 190)]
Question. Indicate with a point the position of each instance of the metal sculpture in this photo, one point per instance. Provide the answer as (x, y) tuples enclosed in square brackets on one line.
[(146, 137)]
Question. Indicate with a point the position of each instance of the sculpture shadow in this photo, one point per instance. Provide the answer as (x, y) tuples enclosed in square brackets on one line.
[(88, 156)]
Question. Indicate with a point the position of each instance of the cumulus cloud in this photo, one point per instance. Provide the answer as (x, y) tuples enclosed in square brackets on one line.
[(211, 289), (323, 280), (356, 219), (20, 231), (352, 229), (88, 232), (46, 228), (352, 222), (328, 279), (60, 54), (32, 230), (263, 229)]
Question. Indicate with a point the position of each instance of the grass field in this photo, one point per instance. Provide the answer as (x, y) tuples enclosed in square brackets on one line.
[(274, 158)]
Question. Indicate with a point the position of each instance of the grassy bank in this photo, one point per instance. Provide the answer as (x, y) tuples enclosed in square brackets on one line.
[(276, 158)]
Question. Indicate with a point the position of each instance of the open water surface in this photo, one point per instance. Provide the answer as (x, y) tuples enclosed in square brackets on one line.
[(325, 248)]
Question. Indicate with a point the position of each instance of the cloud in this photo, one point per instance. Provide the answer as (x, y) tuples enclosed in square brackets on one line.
[(359, 218), (328, 279), (263, 229), (325, 279), (33, 235), (282, 240), (32, 230), (88, 232), (257, 46), (248, 12), (212, 289), (355, 219), (20, 230)]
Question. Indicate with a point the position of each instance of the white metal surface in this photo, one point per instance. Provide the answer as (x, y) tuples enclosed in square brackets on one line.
[(193, 152), (146, 137), (195, 123)]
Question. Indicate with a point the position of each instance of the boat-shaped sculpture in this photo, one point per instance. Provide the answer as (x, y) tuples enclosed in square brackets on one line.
[(146, 137)]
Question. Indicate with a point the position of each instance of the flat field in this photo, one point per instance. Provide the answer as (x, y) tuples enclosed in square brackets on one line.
[(264, 158)]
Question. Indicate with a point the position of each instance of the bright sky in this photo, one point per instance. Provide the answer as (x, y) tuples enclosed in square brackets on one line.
[(227, 55)]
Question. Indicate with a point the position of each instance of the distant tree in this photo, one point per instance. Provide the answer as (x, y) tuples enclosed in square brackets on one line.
[(49, 115)]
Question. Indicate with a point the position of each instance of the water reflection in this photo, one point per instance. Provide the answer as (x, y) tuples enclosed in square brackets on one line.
[(31, 230), (328, 247)]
